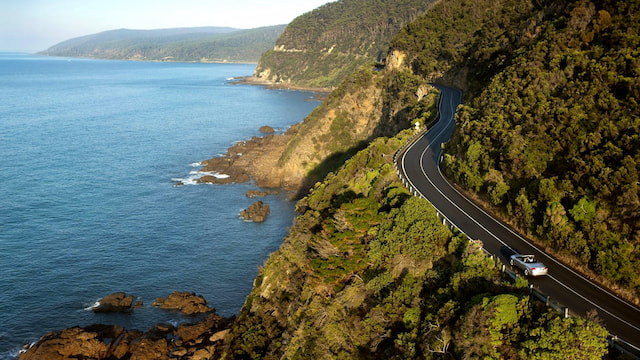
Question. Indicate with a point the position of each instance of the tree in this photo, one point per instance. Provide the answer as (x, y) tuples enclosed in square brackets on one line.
[(568, 338)]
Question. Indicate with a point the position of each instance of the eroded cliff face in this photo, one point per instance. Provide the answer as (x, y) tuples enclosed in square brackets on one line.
[(298, 158)]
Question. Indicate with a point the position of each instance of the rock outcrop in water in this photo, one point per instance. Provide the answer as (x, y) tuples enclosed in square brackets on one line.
[(117, 302), (255, 193), (256, 212), (266, 129), (186, 302), (298, 158)]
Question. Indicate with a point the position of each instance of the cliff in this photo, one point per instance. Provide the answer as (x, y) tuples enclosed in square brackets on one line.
[(368, 272), (368, 104)]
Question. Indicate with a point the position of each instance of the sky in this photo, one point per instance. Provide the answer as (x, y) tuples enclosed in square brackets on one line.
[(35, 25)]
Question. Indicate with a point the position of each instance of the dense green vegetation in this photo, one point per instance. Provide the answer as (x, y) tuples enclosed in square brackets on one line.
[(368, 272), (182, 44), (549, 134), (321, 48)]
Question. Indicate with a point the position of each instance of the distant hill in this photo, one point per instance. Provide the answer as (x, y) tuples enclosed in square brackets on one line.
[(202, 44), (321, 48)]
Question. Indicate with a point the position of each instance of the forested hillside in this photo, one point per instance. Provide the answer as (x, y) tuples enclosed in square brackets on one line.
[(368, 272), (549, 134), (321, 48), (205, 44)]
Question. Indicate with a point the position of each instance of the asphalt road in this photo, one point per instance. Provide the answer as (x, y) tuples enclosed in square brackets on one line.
[(420, 165)]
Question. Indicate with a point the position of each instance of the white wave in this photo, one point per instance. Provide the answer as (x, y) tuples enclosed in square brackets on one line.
[(94, 306), (196, 164), (195, 175), (217, 175), (221, 176), (16, 352), (191, 180)]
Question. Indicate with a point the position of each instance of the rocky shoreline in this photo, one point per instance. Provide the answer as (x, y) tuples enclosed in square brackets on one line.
[(255, 159), (321, 93), (202, 339), (259, 158)]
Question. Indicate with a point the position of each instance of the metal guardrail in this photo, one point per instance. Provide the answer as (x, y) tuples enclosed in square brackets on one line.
[(613, 340)]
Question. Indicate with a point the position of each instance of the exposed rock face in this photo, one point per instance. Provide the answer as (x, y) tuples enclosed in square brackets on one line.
[(116, 302), (250, 159), (256, 212), (186, 302), (202, 340), (225, 165)]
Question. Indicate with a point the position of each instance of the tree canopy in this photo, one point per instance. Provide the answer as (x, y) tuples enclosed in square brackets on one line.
[(549, 133)]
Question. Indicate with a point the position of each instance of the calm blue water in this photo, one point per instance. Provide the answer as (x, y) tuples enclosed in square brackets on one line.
[(89, 150)]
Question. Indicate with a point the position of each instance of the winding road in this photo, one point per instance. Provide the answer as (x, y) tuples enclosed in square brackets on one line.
[(419, 164)]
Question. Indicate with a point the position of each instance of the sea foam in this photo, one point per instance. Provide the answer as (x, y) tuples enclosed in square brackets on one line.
[(195, 175)]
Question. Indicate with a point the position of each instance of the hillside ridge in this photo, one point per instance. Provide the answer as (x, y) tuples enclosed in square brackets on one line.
[(196, 44), (321, 48)]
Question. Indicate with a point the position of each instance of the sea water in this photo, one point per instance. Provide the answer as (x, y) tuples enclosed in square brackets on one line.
[(90, 153)]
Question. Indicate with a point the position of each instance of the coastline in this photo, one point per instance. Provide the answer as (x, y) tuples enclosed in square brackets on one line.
[(200, 61), (258, 159), (113, 329), (252, 80)]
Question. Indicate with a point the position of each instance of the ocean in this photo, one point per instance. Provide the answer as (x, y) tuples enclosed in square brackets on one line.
[(90, 153)]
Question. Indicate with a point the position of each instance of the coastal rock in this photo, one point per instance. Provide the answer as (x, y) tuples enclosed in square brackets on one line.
[(202, 340), (185, 302), (244, 159), (266, 129), (256, 212), (192, 335), (224, 167), (96, 342), (255, 193), (117, 302)]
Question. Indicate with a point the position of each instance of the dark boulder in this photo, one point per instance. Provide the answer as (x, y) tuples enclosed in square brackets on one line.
[(117, 302), (266, 129), (256, 212)]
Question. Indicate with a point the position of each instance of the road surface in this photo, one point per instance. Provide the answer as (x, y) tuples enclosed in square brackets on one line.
[(419, 164)]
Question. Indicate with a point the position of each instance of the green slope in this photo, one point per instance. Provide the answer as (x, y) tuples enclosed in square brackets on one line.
[(369, 272)]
